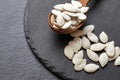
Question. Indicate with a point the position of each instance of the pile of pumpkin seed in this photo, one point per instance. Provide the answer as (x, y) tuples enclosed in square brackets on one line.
[(87, 40), (68, 15)]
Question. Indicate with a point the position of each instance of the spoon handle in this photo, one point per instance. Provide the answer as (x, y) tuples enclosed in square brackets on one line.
[(84, 2)]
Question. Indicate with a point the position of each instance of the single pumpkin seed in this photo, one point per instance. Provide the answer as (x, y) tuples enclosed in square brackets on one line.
[(110, 49), (84, 9), (71, 14), (88, 29), (52, 19), (103, 59), (59, 7), (68, 52), (85, 43), (92, 55), (117, 53), (103, 37), (91, 67), (55, 12), (74, 22), (66, 17), (82, 16), (92, 37), (77, 57), (67, 25), (60, 20), (97, 47), (76, 3), (81, 65), (117, 61)]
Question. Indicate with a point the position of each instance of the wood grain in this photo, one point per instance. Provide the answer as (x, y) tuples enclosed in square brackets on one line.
[(48, 46)]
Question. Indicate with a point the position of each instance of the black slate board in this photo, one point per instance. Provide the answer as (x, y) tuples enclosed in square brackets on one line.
[(48, 46)]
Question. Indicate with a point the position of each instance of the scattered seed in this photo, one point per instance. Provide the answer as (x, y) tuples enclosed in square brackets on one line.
[(88, 29), (103, 59), (77, 57), (92, 55), (92, 37), (110, 49), (117, 53), (90, 68), (68, 52), (81, 65), (103, 37), (117, 61), (97, 47), (85, 43)]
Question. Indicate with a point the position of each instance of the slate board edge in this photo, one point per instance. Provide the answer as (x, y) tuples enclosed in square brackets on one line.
[(45, 63)]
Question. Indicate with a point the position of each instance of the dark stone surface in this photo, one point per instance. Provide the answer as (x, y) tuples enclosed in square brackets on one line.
[(48, 46), (16, 60)]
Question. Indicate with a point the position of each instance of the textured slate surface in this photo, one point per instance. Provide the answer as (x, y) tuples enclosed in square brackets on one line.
[(48, 46), (16, 60)]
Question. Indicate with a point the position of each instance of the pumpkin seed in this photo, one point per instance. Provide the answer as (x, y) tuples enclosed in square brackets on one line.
[(88, 29), (52, 19), (103, 59), (81, 65), (84, 9), (82, 16), (77, 57), (55, 12), (103, 37), (117, 61), (60, 20), (68, 52), (91, 67), (67, 25), (71, 14), (85, 43), (92, 55), (97, 47), (76, 3), (66, 17), (59, 7), (77, 33), (92, 37)]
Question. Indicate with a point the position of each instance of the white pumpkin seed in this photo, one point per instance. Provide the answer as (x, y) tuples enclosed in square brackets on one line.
[(90, 68), (88, 29), (67, 25), (66, 17), (110, 49), (103, 37), (68, 52), (52, 19), (117, 53), (103, 59), (85, 43), (71, 14), (74, 22), (92, 37), (97, 47), (77, 33), (76, 3), (84, 9), (82, 16), (77, 57), (59, 7), (60, 20), (69, 7), (117, 61), (81, 65), (92, 55), (76, 44), (56, 12)]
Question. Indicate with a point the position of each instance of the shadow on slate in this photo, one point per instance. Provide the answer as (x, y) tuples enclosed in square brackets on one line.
[(48, 46)]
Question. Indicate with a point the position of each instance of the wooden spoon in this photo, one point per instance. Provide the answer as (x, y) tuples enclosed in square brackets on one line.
[(69, 30)]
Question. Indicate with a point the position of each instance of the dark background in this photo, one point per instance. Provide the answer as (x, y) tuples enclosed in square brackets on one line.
[(16, 60)]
